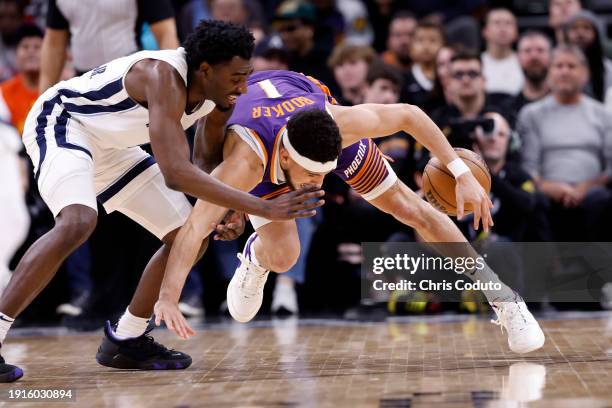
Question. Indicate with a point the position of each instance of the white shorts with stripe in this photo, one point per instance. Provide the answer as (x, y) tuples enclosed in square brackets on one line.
[(72, 168)]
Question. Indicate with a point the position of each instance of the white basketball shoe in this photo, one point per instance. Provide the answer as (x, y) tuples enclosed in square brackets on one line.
[(524, 332), (245, 290)]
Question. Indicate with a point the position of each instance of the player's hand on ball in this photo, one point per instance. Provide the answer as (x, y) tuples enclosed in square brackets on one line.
[(468, 190), (231, 228), (170, 313), (296, 204)]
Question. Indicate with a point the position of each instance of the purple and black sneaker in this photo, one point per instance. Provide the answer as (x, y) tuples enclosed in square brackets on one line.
[(9, 373), (139, 353)]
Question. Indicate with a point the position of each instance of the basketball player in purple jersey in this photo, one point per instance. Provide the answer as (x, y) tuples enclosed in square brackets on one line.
[(287, 132)]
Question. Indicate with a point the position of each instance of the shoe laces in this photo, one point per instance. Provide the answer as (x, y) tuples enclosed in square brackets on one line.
[(148, 345), (251, 280), (509, 316)]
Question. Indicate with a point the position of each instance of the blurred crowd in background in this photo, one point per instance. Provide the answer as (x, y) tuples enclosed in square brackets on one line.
[(527, 84)]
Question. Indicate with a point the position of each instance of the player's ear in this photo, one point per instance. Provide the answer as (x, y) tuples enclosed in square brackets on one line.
[(284, 155), (205, 69)]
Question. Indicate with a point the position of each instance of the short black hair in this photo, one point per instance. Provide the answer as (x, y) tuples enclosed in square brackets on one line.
[(467, 55), (28, 30), (315, 135), (533, 33), (380, 70), (403, 15), (215, 41)]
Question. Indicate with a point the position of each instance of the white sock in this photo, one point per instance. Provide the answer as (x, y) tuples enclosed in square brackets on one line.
[(253, 255), (131, 326), (5, 325), (488, 275)]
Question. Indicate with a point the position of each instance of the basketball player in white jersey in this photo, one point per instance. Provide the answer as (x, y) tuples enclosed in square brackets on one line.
[(83, 138)]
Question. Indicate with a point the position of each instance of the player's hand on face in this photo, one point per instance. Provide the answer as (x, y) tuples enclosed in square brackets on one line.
[(169, 312), (468, 190), (295, 204), (231, 228)]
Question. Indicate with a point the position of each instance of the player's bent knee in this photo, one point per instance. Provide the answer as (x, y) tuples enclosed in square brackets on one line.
[(76, 223), (283, 260)]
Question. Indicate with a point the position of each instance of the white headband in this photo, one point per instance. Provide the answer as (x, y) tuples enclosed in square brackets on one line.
[(305, 162)]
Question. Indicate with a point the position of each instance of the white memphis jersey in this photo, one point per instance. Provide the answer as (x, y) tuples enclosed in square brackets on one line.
[(99, 102)]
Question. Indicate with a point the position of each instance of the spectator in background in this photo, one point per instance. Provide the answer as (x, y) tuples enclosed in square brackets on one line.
[(500, 64), (534, 54), (512, 188), (188, 13), (243, 12), (329, 24), (357, 27), (428, 40), (349, 64), (11, 18), (586, 31), (384, 84), (470, 100), (100, 33), (269, 54), (559, 12), (18, 94), (381, 12), (294, 21), (13, 179), (441, 92), (567, 148), (401, 33)]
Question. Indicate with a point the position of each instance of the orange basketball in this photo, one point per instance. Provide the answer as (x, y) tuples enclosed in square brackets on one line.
[(439, 183)]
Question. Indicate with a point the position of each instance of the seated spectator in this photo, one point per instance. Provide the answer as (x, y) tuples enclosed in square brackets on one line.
[(500, 64), (269, 54), (384, 83), (357, 27), (11, 17), (534, 53), (512, 188), (441, 91), (401, 34), (470, 101), (428, 40), (328, 23), (566, 148), (559, 12), (295, 22), (349, 64), (247, 13), (15, 220), (586, 31), (381, 13), (18, 94)]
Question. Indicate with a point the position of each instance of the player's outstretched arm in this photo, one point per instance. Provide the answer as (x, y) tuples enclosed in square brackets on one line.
[(377, 120), (161, 88), (241, 169)]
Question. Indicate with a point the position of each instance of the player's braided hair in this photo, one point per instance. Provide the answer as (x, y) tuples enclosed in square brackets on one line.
[(315, 135), (216, 41)]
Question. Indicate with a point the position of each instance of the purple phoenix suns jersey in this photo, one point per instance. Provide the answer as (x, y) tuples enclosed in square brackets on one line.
[(262, 113)]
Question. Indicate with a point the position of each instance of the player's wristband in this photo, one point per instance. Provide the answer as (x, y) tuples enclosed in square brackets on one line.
[(457, 167)]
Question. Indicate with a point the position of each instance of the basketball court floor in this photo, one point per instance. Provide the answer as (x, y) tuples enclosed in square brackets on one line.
[(446, 361)]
